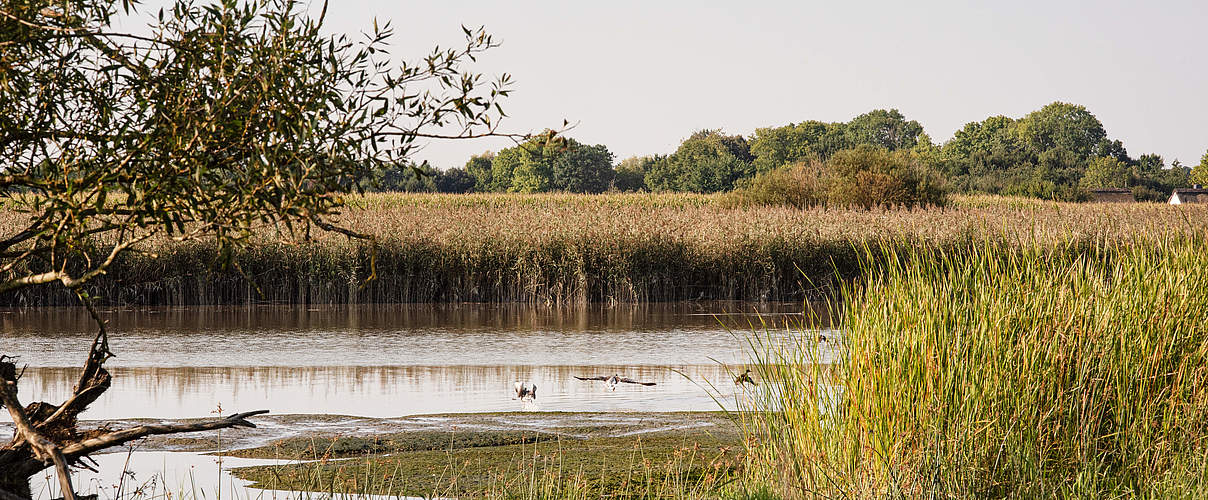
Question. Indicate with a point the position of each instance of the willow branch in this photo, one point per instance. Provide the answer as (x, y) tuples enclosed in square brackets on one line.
[(65, 278)]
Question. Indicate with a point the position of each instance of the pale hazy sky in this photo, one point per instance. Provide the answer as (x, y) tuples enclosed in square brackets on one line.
[(639, 76)]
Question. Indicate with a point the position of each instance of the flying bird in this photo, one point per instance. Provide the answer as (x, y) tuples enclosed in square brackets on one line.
[(611, 381), (526, 391), (745, 378)]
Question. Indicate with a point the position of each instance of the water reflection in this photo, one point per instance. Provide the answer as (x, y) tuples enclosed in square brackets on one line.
[(378, 361), (388, 360), (156, 475), (382, 391), (406, 335)]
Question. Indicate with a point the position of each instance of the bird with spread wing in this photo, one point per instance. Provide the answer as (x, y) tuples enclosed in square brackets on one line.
[(611, 381)]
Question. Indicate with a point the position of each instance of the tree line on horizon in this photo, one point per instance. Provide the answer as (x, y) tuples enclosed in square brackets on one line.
[(1058, 152)]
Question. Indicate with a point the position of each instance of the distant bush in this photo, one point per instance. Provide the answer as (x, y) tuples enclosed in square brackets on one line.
[(799, 185), (868, 176), (864, 177), (1145, 193)]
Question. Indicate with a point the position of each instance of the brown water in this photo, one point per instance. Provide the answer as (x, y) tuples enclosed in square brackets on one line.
[(387, 361)]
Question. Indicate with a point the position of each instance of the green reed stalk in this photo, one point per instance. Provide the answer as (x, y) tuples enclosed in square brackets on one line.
[(990, 370)]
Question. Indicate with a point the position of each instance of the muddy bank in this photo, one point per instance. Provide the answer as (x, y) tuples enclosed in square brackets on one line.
[(471, 454), (275, 433), (468, 454)]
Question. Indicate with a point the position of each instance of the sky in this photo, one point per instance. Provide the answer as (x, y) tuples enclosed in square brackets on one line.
[(640, 76)]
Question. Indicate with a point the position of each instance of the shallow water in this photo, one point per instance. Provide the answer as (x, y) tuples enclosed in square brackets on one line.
[(157, 474), (385, 361), (388, 360)]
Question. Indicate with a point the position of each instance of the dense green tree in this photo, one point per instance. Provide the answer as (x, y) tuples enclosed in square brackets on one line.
[(984, 156), (775, 147), (583, 169), (220, 122), (706, 162), (1105, 172), (1199, 174), (1057, 175), (454, 180), (1149, 166), (1060, 125), (630, 174), (408, 178), (1177, 175), (503, 167), (927, 153), (551, 163), (885, 129), (984, 138), (533, 171), (1046, 154), (479, 167)]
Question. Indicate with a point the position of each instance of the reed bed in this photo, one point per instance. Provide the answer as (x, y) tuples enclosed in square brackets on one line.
[(564, 249), (997, 371)]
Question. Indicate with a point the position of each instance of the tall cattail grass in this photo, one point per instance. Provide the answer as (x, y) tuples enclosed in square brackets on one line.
[(997, 370), (574, 249)]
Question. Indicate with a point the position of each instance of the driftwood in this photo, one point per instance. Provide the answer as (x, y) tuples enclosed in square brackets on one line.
[(46, 435)]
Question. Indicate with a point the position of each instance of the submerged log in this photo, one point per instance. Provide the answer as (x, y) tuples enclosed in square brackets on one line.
[(46, 435)]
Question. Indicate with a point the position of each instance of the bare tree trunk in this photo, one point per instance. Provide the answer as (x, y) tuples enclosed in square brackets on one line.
[(45, 435)]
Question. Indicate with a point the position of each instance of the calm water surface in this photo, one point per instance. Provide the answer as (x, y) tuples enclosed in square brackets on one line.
[(385, 361), (381, 361)]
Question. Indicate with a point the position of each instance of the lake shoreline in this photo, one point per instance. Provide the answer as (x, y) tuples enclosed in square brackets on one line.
[(463, 454)]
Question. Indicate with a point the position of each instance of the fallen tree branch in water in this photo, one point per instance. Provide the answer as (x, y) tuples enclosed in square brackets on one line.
[(46, 435)]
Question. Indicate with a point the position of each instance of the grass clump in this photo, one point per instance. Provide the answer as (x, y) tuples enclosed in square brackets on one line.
[(668, 464), (1000, 372)]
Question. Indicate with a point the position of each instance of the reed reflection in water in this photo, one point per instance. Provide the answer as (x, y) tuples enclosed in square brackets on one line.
[(383, 391), (397, 335), (390, 360)]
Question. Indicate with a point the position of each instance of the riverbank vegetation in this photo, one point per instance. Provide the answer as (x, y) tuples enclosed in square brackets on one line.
[(1059, 152), (562, 249), (991, 371)]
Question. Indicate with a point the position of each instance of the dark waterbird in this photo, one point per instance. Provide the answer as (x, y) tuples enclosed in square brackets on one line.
[(745, 378), (611, 381)]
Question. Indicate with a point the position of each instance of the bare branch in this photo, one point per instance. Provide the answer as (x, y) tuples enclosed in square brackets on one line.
[(36, 279), (44, 449), (115, 438)]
